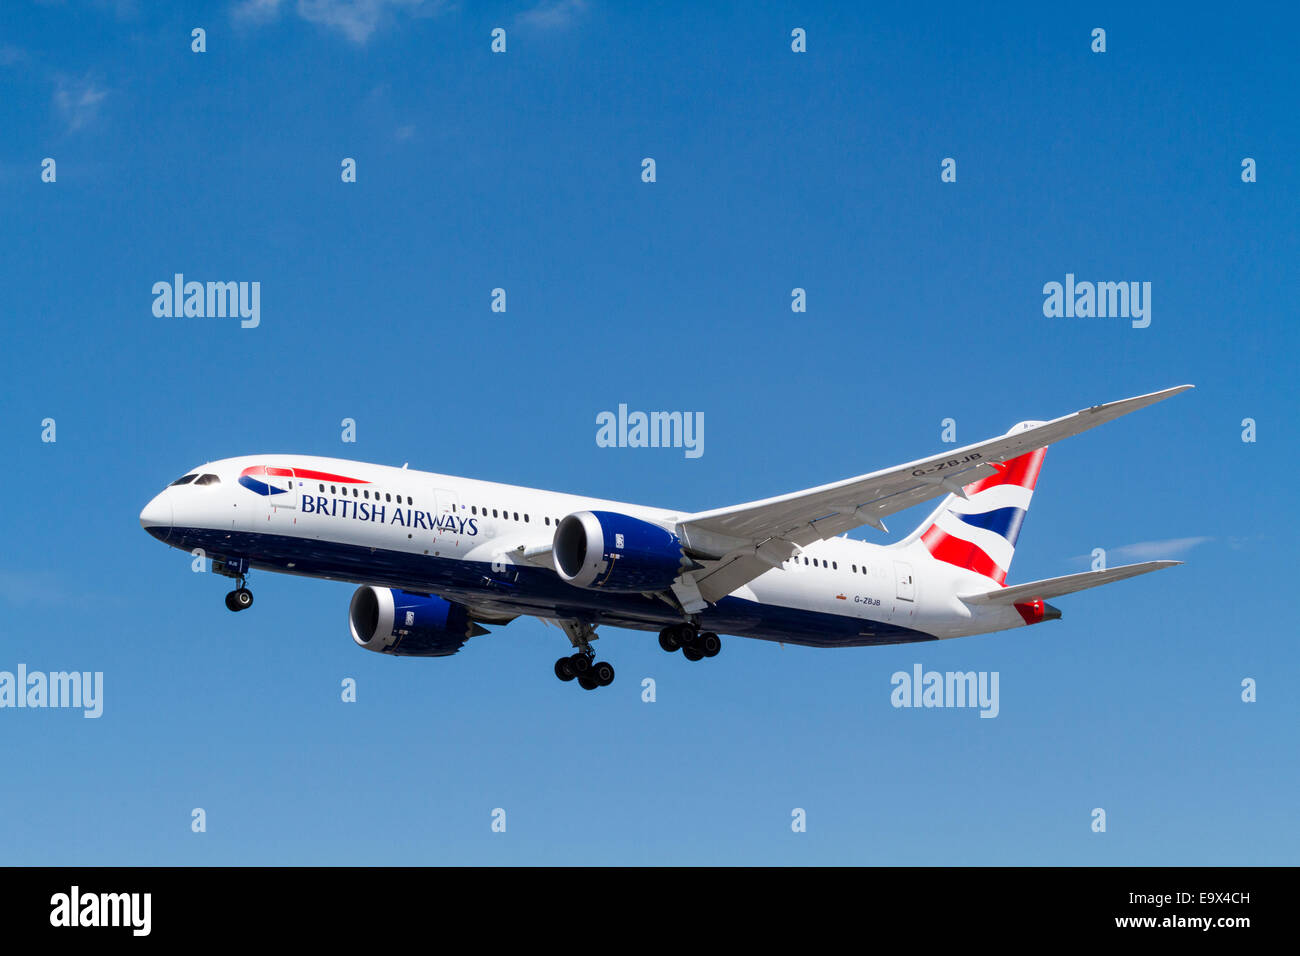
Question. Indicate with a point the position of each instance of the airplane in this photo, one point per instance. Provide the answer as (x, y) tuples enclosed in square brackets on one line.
[(437, 559)]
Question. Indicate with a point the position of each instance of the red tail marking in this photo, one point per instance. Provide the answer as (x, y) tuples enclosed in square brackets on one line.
[(961, 553), (1022, 470)]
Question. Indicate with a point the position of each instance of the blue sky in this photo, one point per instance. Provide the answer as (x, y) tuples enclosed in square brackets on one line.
[(775, 170)]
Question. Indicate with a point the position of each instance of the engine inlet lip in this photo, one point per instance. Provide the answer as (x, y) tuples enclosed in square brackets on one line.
[(571, 544)]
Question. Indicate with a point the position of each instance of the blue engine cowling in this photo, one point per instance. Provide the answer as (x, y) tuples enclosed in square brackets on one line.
[(607, 551), (396, 622)]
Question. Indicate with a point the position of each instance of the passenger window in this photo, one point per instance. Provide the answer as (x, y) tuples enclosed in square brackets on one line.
[(835, 565), (333, 490), (525, 517), (366, 493), (408, 499), (548, 519), (184, 480), (322, 489), (388, 496), (855, 569), (494, 512), (516, 515), (473, 509)]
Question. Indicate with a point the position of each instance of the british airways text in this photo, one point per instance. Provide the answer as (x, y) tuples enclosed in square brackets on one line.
[(369, 511)]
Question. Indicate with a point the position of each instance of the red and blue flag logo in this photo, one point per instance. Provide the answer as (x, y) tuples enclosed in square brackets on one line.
[(269, 480), (979, 532)]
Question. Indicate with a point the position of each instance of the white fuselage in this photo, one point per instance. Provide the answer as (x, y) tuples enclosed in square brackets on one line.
[(468, 541)]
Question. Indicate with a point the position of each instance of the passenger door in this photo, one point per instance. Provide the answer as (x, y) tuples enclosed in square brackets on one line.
[(282, 488), (904, 591), (270, 489), (447, 516)]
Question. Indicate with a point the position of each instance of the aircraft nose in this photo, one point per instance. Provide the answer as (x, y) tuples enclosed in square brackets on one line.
[(156, 518)]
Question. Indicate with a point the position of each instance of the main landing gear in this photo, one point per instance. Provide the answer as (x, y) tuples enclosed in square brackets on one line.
[(694, 645), (582, 664), (590, 674)]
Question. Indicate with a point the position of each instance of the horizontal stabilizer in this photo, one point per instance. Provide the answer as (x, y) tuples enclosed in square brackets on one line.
[(1068, 584)]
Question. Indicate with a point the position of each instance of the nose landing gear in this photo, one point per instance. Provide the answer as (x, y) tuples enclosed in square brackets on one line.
[(239, 599)]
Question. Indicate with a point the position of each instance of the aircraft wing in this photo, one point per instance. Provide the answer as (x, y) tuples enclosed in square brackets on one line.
[(741, 542), (1068, 584)]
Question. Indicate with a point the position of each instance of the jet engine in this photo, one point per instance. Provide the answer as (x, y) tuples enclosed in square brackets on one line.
[(607, 551), (404, 624)]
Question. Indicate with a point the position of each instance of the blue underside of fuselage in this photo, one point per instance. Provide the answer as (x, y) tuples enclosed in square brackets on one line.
[(524, 589)]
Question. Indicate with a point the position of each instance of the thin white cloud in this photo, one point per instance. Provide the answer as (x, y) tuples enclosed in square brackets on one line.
[(78, 101), (1155, 550), (355, 19), (122, 9), (12, 55), (1168, 549), (256, 11), (553, 14), (29, 588)]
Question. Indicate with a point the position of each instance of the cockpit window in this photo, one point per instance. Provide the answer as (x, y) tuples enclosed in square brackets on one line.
[(184, 480), (208, 480)]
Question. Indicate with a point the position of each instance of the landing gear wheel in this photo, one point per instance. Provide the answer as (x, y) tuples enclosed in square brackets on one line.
[(578, 664), (587, 682), (692, 653), (668, 639), (562, 669), (602, 673), (239, 599), (709, 644)]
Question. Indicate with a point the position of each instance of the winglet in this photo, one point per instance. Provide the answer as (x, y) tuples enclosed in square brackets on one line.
[(1126, 405)]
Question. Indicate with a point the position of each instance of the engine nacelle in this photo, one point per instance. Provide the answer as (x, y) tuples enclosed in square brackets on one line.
[(607, 551), (396, 622)]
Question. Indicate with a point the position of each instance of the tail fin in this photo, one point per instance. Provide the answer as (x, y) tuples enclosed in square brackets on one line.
[(979, 531)]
